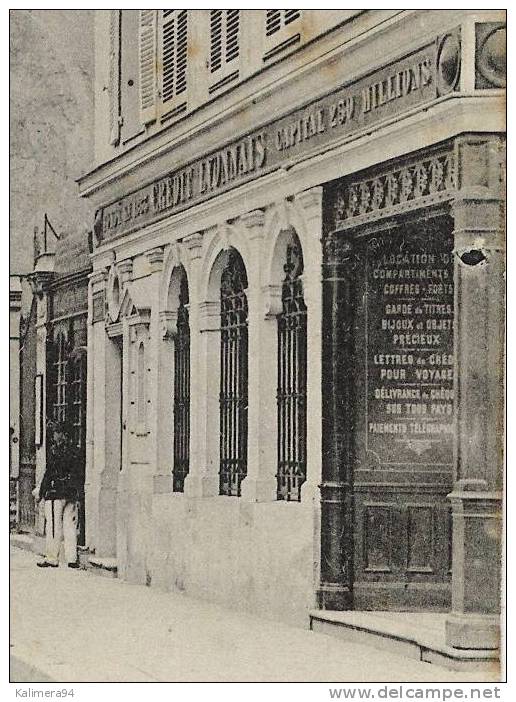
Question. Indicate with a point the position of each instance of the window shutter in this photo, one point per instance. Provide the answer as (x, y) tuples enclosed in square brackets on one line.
[(272, 21), (182, 50), (225, 39), (216, 40), (174, 53), (276, 19), (232, 34), (147, 66), (114, 77)]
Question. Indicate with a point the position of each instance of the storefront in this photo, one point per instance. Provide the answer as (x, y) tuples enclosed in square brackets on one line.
[(293, 330)]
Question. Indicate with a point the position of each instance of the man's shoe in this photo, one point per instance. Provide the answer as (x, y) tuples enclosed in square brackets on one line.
[(75, 564), (46, 564)]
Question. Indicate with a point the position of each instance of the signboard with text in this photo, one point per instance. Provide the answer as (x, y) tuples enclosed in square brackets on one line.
[(404, 84)]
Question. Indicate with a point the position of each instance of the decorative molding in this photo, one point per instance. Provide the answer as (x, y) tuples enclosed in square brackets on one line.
[(254, 221), (155, 259), (125, 270), (396, 190), (448, 62), (40, 282), (193, 244), (490, 55), (168, 324)]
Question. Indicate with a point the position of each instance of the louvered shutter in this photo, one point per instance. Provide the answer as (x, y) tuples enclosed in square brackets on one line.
[(215, 40), (232, 35), (147, 65), (114, 77), (276, 19), (174, 53), (224, 37)]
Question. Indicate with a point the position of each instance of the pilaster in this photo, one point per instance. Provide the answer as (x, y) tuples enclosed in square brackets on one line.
[(335, 590), (260, 482), (479, 346)]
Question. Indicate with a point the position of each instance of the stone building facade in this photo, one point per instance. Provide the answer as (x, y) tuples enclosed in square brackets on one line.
[(294, 326)]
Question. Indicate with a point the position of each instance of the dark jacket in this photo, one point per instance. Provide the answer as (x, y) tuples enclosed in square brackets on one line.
[(61, 480)]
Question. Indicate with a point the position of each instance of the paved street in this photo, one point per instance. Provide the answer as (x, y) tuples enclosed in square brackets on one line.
[(73, 626)]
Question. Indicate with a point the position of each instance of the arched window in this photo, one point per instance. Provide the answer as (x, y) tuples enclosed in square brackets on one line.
[(292, 379), (233, 375), (182, 390)]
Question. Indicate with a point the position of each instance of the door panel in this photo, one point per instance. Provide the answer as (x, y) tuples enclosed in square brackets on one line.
[(404, 421)]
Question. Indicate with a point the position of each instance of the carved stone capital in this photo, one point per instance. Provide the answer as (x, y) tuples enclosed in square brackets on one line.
[(193, 244), (168, 324), (97, 279), (272, 300), (125, 270), (40, 281), (254, 221), (155, 259), (311, 201), (209, 316)]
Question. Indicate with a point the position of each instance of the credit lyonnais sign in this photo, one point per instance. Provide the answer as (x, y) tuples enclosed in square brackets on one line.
[(404, 84)]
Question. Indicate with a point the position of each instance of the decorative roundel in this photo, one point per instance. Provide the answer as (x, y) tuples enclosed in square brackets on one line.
[(448, 63), (492, 57), (113, 294)]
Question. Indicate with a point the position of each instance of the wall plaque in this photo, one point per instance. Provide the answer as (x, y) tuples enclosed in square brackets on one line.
[(98, 306), (409, 348), (396, 88)]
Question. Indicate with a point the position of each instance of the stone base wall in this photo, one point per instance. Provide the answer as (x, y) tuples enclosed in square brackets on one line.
[(255, 557)]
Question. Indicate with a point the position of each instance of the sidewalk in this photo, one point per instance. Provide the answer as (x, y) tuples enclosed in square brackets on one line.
[(73, 626)]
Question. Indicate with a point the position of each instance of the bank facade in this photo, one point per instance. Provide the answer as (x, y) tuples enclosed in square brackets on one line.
[(294, 314)]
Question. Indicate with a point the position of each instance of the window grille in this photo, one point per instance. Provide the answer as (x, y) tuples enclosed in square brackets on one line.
[(79, 400), (60, 375), (182, 391), (224, 37), (233, 376), (292, 380), (276, 19)]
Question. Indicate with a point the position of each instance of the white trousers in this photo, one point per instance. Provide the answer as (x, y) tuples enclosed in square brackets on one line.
[(60, 522)]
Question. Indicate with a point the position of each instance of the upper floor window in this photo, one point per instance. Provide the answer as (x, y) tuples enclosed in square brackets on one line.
[(276, 19), (282, 31), (224, 38), (163, 63)]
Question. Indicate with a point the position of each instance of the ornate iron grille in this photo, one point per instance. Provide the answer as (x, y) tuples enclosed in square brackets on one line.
[(79, 400), (292, 381), (233, 376), (182, 391), (61, 376)]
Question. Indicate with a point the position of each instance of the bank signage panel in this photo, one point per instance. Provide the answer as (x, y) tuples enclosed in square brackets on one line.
[(404, 84), (409, 349)]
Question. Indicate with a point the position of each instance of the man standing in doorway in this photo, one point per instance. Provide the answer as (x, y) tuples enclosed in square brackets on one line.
[(60, 489)]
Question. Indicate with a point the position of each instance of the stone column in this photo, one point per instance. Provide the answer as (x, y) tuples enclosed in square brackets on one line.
[(336, 572), (159, 382), (192, 246), (309, 203), (203, 479), (479, 346), (260, 482), (96, 318), (40, 280)]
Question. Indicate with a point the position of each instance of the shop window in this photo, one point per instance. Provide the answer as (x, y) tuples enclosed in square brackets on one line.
[(233, 376), (292, 380), (282, 30), (182, 390), (224, 46)]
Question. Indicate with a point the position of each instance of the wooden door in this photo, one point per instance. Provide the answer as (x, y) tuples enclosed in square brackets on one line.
[(404, 421)]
